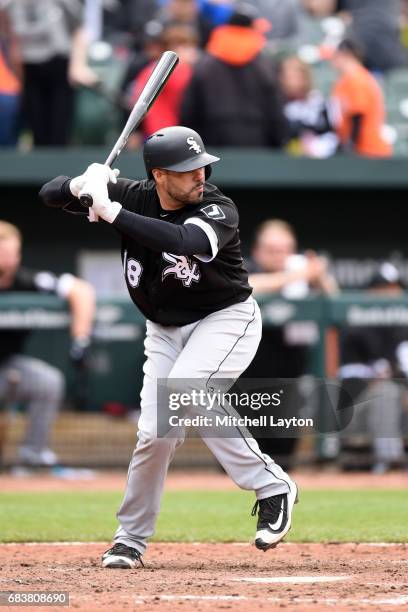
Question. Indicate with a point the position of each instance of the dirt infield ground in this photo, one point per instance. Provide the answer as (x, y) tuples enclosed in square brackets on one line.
[(203, 577)]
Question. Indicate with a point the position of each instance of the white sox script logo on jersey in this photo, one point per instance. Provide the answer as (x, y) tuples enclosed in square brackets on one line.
[(182, 268), (194, 145)]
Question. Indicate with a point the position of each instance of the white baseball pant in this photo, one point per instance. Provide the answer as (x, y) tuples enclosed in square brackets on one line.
[(221, 345)]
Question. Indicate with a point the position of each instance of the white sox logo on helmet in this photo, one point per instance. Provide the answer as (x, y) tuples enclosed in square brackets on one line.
[(182, 268), (194, 145)]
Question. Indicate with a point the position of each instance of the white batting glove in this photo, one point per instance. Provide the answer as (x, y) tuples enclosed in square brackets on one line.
[(107, 210), (97, 172), (92, 217), (102, 206), (76, 184), (102, 173)]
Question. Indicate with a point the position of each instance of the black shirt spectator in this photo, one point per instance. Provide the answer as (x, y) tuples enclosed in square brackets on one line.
[(53, 48), (375, 27), (125, 20), (233, 98), (306, 109)]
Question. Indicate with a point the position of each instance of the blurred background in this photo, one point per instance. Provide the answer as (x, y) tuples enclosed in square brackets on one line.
[(306, 102)]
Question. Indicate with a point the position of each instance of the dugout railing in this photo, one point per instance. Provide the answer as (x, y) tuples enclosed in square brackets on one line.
[(97, 426)]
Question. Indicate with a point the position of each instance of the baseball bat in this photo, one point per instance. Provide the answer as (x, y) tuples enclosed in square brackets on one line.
[(152, 89)]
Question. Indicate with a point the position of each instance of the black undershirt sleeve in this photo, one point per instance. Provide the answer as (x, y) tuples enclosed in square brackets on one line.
[(161, 236), (56, 193), (154, 234)]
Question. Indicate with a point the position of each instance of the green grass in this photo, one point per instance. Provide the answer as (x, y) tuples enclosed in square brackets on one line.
[(214, 516)]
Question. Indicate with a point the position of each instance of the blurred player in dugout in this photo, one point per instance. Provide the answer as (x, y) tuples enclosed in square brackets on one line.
[(27, 380), (374, 373), (276, 267)]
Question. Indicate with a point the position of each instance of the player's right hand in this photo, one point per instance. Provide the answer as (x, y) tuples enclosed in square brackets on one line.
[(94, 173)]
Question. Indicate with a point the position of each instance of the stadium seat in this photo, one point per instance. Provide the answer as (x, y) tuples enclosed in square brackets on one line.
[(97, 114), (323, 77), (396, 93)]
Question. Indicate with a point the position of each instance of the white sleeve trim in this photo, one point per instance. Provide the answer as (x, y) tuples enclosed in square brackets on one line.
[(211, 235), (64, 285)]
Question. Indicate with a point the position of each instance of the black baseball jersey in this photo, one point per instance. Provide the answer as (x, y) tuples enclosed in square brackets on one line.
[(172, 289), (12, 340), (175, 289)]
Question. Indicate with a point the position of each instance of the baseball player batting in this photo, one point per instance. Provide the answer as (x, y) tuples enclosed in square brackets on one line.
[(183, 267)]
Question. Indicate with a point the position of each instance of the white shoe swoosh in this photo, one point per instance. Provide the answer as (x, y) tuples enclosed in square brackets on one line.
[(278, 523), (109, 559)]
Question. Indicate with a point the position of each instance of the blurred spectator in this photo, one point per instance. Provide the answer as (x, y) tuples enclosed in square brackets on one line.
[(233, 98), (320, 30), (404, 23), (373, 362), (276, 268), (53, 47), (282, 17), (10, 81), (217, 12), (360, 105), (148, 50), (320, 8), (29, 380), (306, 110), (375, 27), (124, 20), (182, 39), (187, 12)]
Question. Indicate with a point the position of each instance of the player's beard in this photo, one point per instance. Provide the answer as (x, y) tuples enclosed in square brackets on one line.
[(194, 196)]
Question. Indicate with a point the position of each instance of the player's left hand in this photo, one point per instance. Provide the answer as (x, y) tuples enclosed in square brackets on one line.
[(94, 173), (100, 172)]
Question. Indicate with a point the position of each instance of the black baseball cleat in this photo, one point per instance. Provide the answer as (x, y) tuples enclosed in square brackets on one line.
[(121, 556), (274, 517)]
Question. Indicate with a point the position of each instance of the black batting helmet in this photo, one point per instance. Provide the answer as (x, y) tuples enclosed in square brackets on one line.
[(176, 148)]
